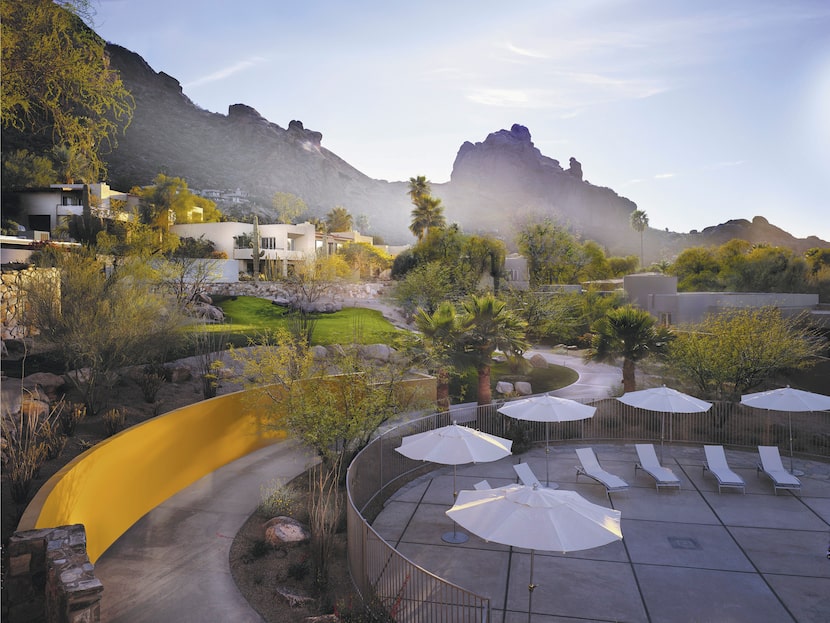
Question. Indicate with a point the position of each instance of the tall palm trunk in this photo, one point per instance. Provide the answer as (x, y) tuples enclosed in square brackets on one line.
[(442, 392), (485, 396), (629, 380)]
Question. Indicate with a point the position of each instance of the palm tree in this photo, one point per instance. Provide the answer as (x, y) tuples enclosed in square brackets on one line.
[(439, 336), (418, 187), (428, 213), (488, 326), (639, 222), (627, 332), (339, 219)]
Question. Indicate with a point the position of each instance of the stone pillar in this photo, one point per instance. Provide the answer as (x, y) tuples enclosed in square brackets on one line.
[(50, 577)]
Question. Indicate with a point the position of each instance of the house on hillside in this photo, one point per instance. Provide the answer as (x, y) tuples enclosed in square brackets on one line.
[(280, 244), (45, 209)]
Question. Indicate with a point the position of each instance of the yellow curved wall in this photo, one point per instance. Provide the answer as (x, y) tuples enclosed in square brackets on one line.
[(114, 484)]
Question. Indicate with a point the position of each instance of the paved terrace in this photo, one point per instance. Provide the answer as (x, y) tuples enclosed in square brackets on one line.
[(692, 555)]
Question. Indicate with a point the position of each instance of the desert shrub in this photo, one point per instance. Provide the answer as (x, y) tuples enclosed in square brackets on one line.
[(70, 415), (51, 434), (114, 421), (276, 498), (152, 378), (298, 570), (24, 452), (258, 549)]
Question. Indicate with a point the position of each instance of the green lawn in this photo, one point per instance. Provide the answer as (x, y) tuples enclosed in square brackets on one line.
[(248, 317)]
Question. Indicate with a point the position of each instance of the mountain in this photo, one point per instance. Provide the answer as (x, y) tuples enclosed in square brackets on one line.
[(495, 186)]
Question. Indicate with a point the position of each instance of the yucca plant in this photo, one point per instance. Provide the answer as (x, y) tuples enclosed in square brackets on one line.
[(25, 452)]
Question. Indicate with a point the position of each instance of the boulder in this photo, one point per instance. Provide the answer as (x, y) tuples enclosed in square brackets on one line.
[(319, 352), (180, 374), (284, 529), (538, 361), (11, 394), (379, 352), (523, 388), (210, 313), (50, 383), (503, 387)]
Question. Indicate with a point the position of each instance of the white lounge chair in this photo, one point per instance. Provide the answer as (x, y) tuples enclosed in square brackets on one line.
[(589, 466), (716, 463), (649, 463), (771, 465), (482, 485), (526, 475)]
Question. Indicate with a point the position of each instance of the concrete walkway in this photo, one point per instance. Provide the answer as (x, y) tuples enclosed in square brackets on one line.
[(172, 565)]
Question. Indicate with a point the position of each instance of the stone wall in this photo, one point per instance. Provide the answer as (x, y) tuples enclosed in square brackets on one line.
[(13, 300), (274, 290), (50, 578)]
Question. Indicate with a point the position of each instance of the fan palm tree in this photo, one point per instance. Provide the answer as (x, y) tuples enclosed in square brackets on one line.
[(639, 222), (629, 333), (487, 326), (428, 213), (418, 187), (439, 336), (339, 219)]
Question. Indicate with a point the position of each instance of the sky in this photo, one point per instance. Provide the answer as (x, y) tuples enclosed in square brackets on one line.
[(699, 112)]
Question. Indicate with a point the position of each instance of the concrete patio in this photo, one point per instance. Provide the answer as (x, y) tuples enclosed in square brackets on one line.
[(691, 555)]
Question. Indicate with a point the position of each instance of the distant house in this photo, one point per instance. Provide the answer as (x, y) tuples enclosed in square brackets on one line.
[(45, 209), (657, 294), (281, 244)]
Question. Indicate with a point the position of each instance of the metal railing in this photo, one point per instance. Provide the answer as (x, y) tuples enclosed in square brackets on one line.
[(407, 593)]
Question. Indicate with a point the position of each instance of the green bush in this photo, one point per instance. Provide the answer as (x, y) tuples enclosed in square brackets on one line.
[(276, 498)]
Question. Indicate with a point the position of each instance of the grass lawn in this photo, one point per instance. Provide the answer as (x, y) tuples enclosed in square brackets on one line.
[(248, 317)]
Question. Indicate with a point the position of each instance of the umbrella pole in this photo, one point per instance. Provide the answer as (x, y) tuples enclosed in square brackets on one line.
[(790, 422), (662, 433), (547, 454), (530, 588), (454, 537)]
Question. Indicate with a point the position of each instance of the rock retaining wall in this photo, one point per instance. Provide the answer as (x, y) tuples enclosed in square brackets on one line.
[(13, 299), (50, 577), (274, 290)]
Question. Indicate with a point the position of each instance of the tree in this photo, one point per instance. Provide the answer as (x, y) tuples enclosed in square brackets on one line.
[(639, 223), (629, 333), (439, 335), (731, 353), (488, 326), (365, 258), (425, 287), (697, 270), (339, 219), (168, 199), (22, 169), (306, 283), (101, 321), (57, 83), (418, 187), (288, 207), (334, 414), (553, 254), (428, 213)]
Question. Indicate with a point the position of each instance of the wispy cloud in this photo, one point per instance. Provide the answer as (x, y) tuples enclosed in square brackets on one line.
[(226, 72), (524, 51), (664, 176), (726, 164)]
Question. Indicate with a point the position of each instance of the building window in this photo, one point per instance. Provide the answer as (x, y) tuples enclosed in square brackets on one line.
[(268, 243), (665, 319), (289, 246)]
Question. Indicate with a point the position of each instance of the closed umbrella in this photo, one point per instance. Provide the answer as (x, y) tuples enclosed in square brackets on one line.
[(547, 409), (665, 400), (789, 400), (536, 519), (454, 445)]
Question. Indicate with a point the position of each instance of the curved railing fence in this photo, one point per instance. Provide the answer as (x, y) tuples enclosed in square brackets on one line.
[(408, 593)]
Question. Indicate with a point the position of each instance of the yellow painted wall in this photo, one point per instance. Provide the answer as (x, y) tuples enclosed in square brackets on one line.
[(115, 483)]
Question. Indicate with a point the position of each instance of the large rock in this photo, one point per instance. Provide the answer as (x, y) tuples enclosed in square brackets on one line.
[(378, 352), (503, 387), (48, 382), (523, 388), (538, 361), (285, 530)]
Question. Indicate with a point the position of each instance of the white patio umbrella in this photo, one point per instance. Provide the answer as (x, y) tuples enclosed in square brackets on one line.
[(789, 400), (547, 409), (665, 400), (536, 518), (454, 445)]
